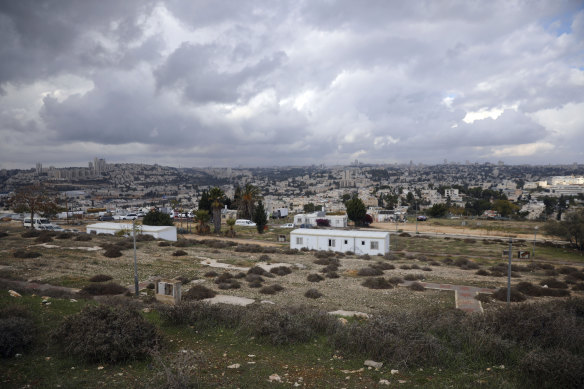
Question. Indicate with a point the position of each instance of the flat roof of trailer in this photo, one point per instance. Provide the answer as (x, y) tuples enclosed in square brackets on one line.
[(341, 233)]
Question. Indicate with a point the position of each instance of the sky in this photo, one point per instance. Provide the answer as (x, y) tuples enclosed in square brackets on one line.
[(199, 83)]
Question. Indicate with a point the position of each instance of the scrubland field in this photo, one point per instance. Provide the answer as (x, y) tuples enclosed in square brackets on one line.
[(76, 324)]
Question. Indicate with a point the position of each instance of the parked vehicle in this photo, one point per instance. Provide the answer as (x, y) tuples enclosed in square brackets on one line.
[(287, 225), (130, 216), (422, 218), (245, 223), (38, 223), (105, 218)]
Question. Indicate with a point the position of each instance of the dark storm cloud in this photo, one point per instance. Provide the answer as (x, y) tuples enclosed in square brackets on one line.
[(260, 82)]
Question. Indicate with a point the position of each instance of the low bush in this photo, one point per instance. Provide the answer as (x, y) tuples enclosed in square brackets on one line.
[(314, 278), (202, 315), (332, 274), (365, 257), (413, 277), (271, 289), (163, 244), (64, 235), (405, 235), (377, 283), (382, 266), (106, 334), (390, 257), (240, 275), (324, 254), (578, 287), (249, 248), (224, 277), (44, 238), (255, 284), (101, 289), (567, 270), (25, 254), (553, 283), (501, 295), (415, 267), (31, 234), (265, 258), (329, 268), (179, 253), (251, 277), (100, 278), (83, 238), (3, 234), (17, 330), (558, 367), (405, 267), (281, 270), (260, 271), (183, 280), (482, 272), (288, 325), (416, 286), (211, 274), (229, 284), (426, 268), (435, 263), (395, 280), (112, 252), (312, 294), (369, 272), (327, 261), (144, 238)]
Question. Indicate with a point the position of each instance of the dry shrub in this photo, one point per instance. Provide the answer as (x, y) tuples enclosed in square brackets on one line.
[(183, 243), (567, 270), (44, 238), (377, 283), (100, 278), (271, 289), (179, 253), (413, 277), (240, 275), (312, 294), (249, 248), (255, 284), (26, 254), (106, 334), (551, 273), (415, 267), (224, 277), (558, 367), (265, 258), (468, 240), (448, 261), (3, 234), (529, 289), (382, 266), (101, 289), (482, 272), (281, 270), (202, 315), (288, 325), (435, 263), (260, 271), (324, 254), (144, 238), (327, 261), (31, 234), (163, 244), (416, 286), (230, 284), (17, 330), (329, 268), (405, 267), (314, 278), (501, 295), (405, 235), (390, 257), (254, 278), (553, 283), (578, 287), (290, 251), (83, 238), (64, 235), (211, 274), (112, 252), (332, 274), (365, 257), (369, 272), (395, 280)]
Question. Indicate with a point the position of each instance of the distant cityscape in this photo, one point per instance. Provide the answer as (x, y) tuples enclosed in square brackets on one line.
[(117, 187)]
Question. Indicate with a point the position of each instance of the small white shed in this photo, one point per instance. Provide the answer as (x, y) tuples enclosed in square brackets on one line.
[(359, 242), (158, 232)]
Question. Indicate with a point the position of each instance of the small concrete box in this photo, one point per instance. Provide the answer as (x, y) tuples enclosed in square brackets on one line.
[(168, 291)]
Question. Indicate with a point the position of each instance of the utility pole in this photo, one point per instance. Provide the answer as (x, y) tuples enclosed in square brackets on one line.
[(135, 261), (509, 272), (534, 239)]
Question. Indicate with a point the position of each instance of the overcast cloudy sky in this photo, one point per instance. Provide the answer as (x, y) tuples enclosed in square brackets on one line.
[(260, 83)]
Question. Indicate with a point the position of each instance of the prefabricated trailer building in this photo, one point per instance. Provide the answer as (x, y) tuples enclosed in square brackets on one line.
[(359, 242)]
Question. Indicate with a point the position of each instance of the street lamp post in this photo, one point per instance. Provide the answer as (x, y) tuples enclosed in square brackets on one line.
[(135, 261)]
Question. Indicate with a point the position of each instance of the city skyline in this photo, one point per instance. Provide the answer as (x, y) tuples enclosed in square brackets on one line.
[(230, 84)]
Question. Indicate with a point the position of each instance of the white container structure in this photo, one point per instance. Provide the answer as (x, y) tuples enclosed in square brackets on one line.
[(359, 242), (158, 232)]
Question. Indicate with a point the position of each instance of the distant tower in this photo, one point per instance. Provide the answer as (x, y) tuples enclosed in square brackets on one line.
[(39, 168)]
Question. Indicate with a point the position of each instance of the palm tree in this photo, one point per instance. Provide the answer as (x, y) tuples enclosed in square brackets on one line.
[(231, 222), (249, 195), (217, 197), (202, 217)]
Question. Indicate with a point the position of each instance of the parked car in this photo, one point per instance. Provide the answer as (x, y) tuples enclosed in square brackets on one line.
[(422, 218), (245, 223), (287, 225), (105, 218), (130, 216)]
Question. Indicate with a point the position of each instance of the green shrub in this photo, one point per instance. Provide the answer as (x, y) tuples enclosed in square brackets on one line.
[(555, 368), (106, 334), (17, 330), (203, 315), (198, 292)]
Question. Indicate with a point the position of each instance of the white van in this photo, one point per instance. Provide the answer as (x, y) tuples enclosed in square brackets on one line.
[(38, 223), (245, 223)]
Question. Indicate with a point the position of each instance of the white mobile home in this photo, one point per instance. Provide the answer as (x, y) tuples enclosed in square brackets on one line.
[(309, 219), (158, 232), (359, 242)]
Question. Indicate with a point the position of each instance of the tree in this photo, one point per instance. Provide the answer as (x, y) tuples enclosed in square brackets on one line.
[(249, 196), (260, 218), (309, 208), (216, 197), (437, 210), (505, 207), (34, 199), (356, 210), (202, 217), (572, 229), (157, 218), (231, 222), (205, 201)]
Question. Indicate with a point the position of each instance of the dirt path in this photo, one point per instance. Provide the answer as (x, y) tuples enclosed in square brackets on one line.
[(449, 230), (238, 240)]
